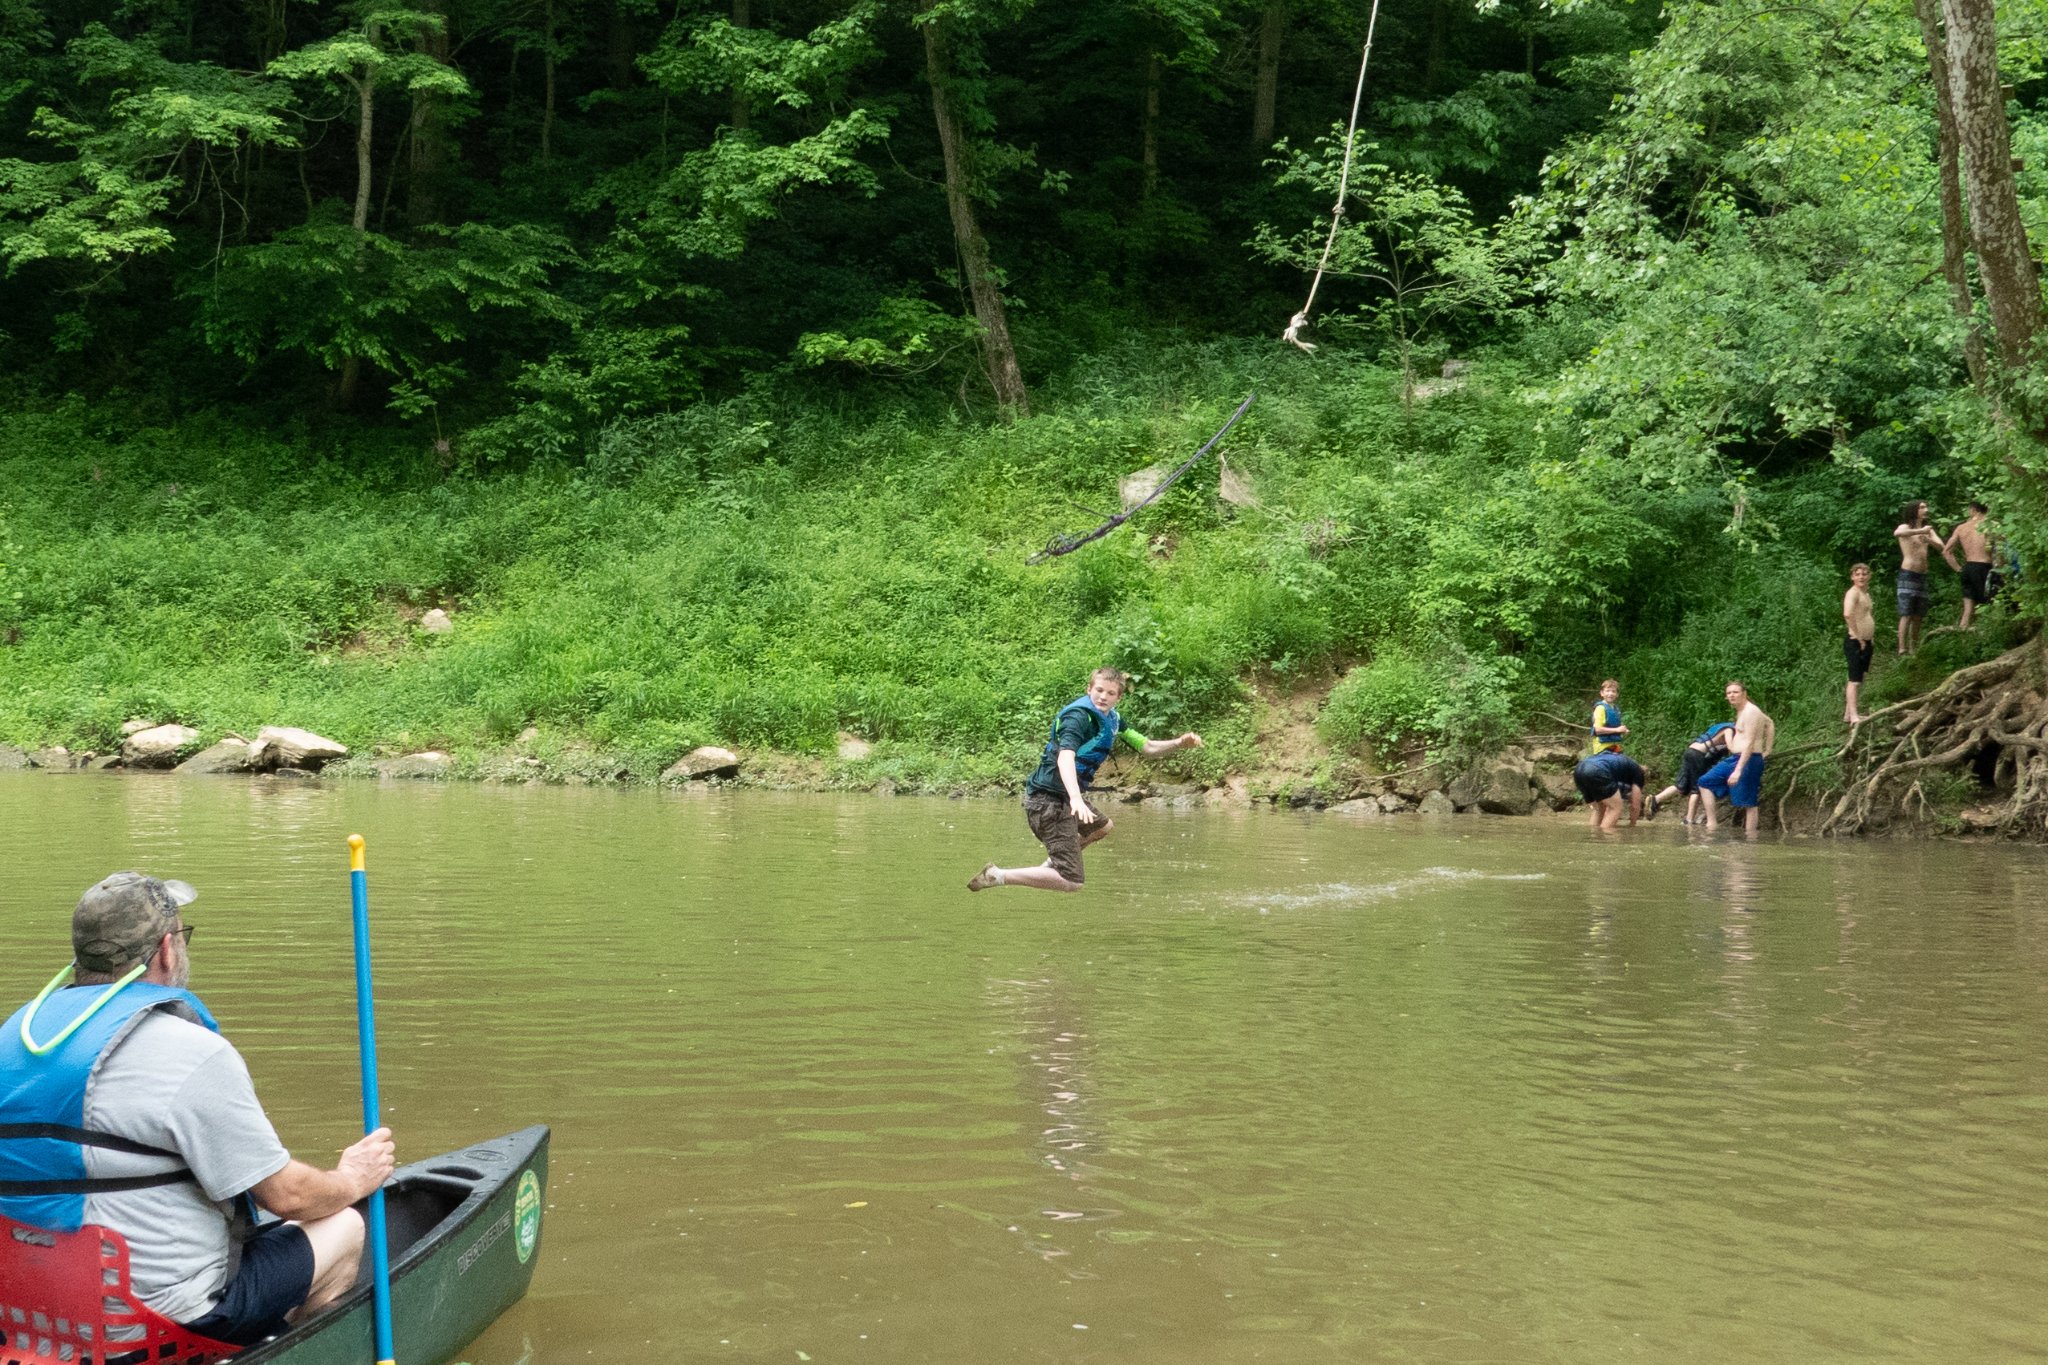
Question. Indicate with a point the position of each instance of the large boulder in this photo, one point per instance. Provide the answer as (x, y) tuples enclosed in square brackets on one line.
[(1436, 803), (1509, 785), (705, 761), (436, 622), (1362, 808), (1555, 752), (56, 756), (290, 747), (135, 725), (158, 747), (1557, 788), (428, 765), (232, 755), (1413, 785), (1465, 788), (13, 759)]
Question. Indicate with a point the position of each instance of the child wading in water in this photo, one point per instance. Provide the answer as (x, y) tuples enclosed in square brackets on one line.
[(1699, 756), (1083, 734)]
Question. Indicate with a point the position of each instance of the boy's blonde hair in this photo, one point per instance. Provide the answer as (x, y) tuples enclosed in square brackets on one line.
[(1115, 675)]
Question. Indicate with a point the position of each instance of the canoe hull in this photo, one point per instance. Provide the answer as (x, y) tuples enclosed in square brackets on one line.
[(466, 1231)]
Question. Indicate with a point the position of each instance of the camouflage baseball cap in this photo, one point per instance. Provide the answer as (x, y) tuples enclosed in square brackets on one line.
[(119, 921)]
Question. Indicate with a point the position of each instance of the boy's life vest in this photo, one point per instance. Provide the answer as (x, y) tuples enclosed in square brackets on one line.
[(43, 1137), (1604, 713), (1091, 755)]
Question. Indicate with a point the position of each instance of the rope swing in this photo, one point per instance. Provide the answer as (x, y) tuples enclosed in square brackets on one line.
[(1299, 322), (1063, 545)]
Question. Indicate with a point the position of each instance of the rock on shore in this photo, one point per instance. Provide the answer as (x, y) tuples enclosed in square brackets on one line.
[(291, 747), (157, 747), (705, 761)]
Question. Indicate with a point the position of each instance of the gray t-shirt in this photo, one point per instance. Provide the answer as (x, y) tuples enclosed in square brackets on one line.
[(170, 1083)]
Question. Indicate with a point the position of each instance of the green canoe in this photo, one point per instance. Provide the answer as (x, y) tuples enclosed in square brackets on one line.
[(464, 1232)]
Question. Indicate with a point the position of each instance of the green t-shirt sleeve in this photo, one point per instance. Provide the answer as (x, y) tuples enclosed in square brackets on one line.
[(1132, 738)]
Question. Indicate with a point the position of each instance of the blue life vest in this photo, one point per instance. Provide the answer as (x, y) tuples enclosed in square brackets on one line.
[(1609, 714), (1712, 730), (42, 1105), (1089, 756)]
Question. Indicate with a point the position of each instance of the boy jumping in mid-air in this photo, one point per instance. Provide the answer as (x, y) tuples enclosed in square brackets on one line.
[(1055, 805)]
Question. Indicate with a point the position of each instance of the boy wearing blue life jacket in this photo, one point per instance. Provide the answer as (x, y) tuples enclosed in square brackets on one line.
[(1605, 734), (1084, 733)]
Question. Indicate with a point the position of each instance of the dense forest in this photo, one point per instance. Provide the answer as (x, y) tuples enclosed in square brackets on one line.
[(719, 366)]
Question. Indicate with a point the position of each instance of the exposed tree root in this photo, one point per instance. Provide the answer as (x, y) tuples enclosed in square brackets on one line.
[(1994, 707)]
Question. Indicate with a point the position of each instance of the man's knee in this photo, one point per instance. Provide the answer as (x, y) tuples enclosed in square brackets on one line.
[(337, 1242)]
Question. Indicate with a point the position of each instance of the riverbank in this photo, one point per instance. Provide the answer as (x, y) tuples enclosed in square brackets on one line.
[(846, 596)]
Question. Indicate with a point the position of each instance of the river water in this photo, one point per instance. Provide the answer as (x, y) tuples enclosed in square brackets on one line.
[(1275, 1087)]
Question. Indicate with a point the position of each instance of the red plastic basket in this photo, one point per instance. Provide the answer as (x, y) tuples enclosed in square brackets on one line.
[(65, 1300)]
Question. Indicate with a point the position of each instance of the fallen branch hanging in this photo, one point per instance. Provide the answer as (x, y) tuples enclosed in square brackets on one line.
[(1067, 544)]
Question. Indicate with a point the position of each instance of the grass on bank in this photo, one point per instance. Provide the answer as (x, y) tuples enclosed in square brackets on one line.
[(776, 570)]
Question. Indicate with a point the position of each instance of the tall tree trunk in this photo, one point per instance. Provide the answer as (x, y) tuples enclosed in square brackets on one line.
[(1148, 139), (432, 138), (742, 17), (1955, 229), (1001, 355), (1433, 55), (366, 128), (547, 112), (1266, 93), (2012, 289)]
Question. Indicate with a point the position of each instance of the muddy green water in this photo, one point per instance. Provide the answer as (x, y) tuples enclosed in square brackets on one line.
[(1275, 1087)]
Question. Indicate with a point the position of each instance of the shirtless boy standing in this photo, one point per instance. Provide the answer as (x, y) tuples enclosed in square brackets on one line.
[(1860, 621), (1976, 547), (1915, 536), (1740, 776)]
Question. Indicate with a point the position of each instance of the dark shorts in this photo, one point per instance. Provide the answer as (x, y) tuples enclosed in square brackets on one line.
[(1694, 766), (1596, 785), (1977, 581), (1053, 824), (1856, 653), (275, 1276), (1913, 598), (1741, 795)]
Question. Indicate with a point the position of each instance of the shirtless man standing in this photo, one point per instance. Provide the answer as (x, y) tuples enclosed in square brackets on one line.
[(1976, 547), (1860, 643), (1740, 776), (1915, 536)]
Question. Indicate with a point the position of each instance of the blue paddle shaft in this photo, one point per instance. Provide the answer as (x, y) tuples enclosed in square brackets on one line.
[(366, 1035)]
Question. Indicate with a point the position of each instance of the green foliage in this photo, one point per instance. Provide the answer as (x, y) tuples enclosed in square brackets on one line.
[(1444, 698), (1413, 240), (327, 291)]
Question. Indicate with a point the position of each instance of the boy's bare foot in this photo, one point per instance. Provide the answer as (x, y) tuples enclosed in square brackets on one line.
[(984, 879)]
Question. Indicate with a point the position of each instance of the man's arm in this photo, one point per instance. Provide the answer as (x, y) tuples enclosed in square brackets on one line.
[(1152, 748), (303, 1193), (1934, 538)]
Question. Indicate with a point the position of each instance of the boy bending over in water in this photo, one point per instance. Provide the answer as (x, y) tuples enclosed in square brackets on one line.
[(1055, 806), (1605, 780)]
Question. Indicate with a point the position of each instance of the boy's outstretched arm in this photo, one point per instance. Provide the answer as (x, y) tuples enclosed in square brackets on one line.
[(1154, 747)]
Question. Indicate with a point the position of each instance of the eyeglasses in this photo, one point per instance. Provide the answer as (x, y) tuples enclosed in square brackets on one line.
[(184, 933)]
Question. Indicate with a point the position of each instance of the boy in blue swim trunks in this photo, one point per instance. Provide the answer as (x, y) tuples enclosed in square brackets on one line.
[(1740, 776)]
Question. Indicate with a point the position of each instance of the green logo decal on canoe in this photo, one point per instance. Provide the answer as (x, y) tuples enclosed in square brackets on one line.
[(526, 1216)]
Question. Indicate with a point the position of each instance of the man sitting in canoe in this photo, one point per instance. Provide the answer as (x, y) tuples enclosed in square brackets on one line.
[(122, 1106), (1056, 807)]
